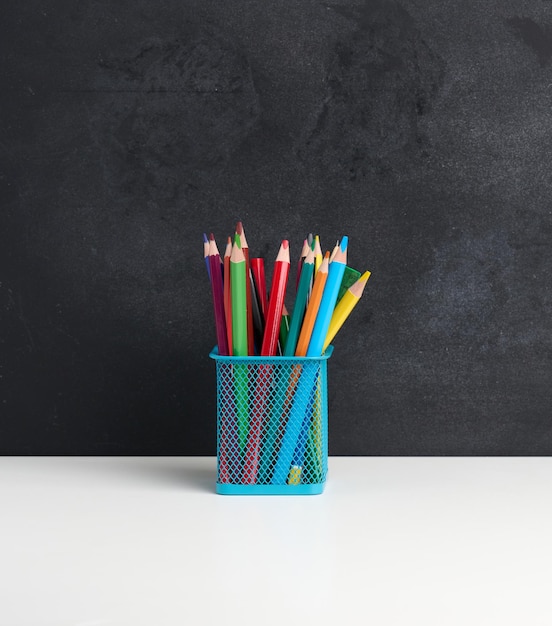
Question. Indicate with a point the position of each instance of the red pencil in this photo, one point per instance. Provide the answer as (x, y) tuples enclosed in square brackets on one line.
[(264, 376), (248, 305), (258, 269), (276, 301), (218, 298)]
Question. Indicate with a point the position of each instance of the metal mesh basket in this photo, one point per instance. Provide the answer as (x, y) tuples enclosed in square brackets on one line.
[(272, 424)]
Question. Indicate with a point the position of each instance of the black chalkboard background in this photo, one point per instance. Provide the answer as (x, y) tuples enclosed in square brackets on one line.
[(420, 128)]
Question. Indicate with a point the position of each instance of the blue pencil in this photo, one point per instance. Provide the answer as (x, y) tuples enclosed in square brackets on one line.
[(299, 455), (298, 413), (329, 298), (299, 410)]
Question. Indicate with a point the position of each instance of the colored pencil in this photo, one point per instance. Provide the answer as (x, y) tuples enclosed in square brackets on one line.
[(228, 295), (249, 310), (264, 373), (298, 413), (312, 309), (314, 442), (345, 306), (318, 257), (284, 330), (299, 454), (334, 251), (350, 276), (259, 410), (300, 304), (239, 316), (276, 300), (239, 339), (258, 317), (258, 269), (218, 298), (306, 380), (329, 297), (304, 252), (206, 254)]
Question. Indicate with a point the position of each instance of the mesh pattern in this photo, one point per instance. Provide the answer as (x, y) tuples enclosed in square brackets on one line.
[(271, 420)]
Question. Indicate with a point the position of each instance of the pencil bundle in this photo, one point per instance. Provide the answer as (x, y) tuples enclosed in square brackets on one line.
[(271, 433), (251, 321)]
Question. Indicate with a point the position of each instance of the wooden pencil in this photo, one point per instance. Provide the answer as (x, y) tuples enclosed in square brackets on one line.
[(239, 302), (239, 340), (218, 298), (300, 304), (264, 372), (249, 310), (258, 270), (228, 294), (304, 252), (312, 309), (206, 254), (318, 256), (284, 331), (276, 300), (329, 297), (345, 306)]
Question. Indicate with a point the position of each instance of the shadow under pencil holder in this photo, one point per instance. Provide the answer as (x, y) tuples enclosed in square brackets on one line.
[(272, 424)]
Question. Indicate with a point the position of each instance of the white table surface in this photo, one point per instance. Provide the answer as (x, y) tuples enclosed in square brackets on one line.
[(146, 541)]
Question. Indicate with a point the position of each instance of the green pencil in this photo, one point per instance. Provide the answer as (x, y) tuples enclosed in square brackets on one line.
[(239, 338), (350, 276)]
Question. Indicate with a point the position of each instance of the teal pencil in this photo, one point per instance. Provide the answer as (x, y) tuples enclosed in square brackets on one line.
[(329, 298), (300, 304)]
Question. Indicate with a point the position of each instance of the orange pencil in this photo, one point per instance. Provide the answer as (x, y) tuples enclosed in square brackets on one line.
[(312, 308), (228, 294), (248, 304)]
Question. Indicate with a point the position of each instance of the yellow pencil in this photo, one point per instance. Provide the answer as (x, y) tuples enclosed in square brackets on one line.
[(318, 256), (344, 307)]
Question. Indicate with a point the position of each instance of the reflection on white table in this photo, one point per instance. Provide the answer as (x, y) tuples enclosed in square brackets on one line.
[(146, 541)]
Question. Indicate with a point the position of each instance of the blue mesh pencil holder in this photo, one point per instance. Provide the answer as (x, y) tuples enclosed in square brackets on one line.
[(272, 424)]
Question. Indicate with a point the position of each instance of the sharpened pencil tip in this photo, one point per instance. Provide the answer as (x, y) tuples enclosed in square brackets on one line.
[(239, 228), (285, 244)]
